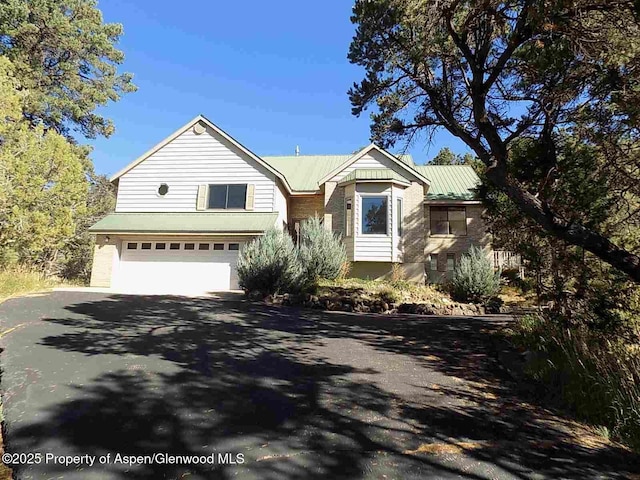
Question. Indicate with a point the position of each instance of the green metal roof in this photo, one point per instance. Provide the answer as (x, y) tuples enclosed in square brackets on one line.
[(450, 182), (304, 171), (374, 174), (192, 222)]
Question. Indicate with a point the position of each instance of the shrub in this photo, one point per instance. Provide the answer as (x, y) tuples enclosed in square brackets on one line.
[(593, 373), (493, 305), (270, 264), (390, 295), (322, 252), (19, 280), (474, 279)]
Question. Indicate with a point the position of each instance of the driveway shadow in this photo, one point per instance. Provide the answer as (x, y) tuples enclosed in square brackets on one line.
[(301, 395)]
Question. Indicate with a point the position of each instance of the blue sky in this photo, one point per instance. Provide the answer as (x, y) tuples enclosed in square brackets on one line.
[(271, 74)]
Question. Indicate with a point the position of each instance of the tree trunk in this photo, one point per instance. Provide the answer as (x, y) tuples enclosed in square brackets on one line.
[(574, 233)]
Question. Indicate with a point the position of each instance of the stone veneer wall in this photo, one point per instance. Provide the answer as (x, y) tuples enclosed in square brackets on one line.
[(105, 254), (442, 244), (306, 206), (334, 205), (414, 228)]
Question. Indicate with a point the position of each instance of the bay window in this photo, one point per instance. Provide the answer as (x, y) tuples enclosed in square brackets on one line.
[(348, 217), (374, 215)]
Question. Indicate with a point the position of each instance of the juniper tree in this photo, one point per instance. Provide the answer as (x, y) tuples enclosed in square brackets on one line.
[(495, 72)]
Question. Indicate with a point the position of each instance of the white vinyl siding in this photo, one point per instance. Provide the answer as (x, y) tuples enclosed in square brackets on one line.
[(350, 192), (373, 159), (398, 219), (185, 163), (368, 247), (280, 204)]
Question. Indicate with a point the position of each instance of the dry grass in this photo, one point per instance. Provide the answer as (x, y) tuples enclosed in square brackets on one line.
[(5, 472), (595, 374), (513, 296), (18, 281), (398, 291)]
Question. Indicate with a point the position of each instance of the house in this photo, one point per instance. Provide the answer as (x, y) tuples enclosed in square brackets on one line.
[(185, 208)]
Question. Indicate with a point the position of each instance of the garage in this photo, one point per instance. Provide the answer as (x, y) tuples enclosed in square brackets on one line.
[(169, 265)]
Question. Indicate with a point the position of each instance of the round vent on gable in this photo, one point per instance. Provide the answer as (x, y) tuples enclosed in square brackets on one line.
[(199, 128)]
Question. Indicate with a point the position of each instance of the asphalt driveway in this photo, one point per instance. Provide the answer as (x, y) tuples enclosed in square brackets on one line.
[(278, 393)]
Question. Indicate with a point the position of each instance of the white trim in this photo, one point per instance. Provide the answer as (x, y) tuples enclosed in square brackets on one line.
[(363, 152), (121, 233), (348, 215), (219, 131), (388, 180), (452, 202), (303, 193), (361, 196), (158, 188)]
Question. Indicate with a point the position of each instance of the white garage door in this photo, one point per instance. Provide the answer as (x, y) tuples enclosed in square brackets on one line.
[(171, 266)]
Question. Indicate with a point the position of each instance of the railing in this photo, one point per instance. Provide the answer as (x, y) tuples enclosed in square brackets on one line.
[(508, 261)]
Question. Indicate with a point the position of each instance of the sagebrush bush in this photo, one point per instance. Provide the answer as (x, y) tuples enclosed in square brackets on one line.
[(321, 252), (474, 279), (270, 264)]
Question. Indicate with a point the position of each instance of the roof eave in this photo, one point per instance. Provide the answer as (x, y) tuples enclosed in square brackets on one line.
[(450, 201), (175, 232), (385, 180), (363, 152), (219, 131)]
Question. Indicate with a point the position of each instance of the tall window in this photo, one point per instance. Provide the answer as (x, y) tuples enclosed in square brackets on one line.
[(433, 262), (374, 215), (399, 217), (227, 196), (348, 217), (448, 220), (451, 262)]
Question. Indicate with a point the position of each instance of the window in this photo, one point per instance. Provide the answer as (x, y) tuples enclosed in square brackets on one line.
[(174, 246), (348, 216), (295, 230), (145, 246), (399, 217), (234, 246), (163, 189), (451, 262), (227, 196), (448, 221), (161, 246), (203, 246), (433, 262), (189, 246), (374, 215), (218, 246), (132, 246)]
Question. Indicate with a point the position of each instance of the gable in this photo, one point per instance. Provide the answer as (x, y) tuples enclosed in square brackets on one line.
[(195, 156), (374, 159), (197, 123)]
